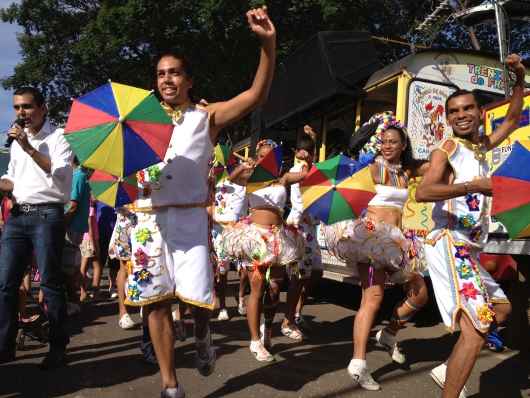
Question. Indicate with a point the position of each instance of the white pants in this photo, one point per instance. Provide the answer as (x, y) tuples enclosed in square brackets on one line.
[(171, 258), (459, 281)]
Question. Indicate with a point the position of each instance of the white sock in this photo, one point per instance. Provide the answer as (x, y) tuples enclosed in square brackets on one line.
[(358, 364)]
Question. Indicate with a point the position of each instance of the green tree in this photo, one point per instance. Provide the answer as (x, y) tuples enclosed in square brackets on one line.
[(71, 46)]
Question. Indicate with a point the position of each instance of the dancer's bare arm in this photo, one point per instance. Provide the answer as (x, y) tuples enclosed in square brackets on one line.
[(511, 121), (436, 184), (225, 113), (242, 173)]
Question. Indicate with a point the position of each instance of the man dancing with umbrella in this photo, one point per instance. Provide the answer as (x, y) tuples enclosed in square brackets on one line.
[(457, 182), (170, 254)]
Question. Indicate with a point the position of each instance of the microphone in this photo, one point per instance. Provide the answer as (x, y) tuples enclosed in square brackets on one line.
[(21, 122)]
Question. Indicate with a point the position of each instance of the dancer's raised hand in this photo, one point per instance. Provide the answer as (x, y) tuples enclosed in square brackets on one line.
[(260, 23)]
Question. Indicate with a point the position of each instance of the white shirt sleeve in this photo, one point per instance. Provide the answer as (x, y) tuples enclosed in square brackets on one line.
[(61, 158)]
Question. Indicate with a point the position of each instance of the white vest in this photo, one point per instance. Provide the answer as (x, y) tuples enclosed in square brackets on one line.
[(182, 178), (467, 217)]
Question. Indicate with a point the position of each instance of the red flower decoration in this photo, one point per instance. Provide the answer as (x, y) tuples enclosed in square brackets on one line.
[(140, 176), (370, 226), (469, 291), (141, 257)]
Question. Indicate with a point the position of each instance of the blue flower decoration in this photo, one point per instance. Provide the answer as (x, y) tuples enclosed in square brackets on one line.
[(143, 277)]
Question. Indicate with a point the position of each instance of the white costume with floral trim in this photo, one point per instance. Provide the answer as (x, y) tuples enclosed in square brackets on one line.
[(307, 228), (230, 205), (452, 248), (261, 245), (383, 246), (120, 240), (170, 242)]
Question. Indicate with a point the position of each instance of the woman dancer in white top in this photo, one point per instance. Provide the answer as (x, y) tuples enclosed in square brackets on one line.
[(376, 246), (266, 247)]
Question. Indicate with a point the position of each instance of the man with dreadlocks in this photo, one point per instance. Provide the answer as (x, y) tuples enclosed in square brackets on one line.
[(374, 244)]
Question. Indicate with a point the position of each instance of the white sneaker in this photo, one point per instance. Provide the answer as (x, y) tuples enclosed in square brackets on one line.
[(388, 341), (361, 377), (438, 375), (126, 322), (173, 393), (242, 310), (260, 352), (223, 315), (205, 356)]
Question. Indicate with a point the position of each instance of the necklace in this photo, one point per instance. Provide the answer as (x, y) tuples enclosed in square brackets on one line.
[(176, 114), (393, 167), (479, 150), (390, 172)]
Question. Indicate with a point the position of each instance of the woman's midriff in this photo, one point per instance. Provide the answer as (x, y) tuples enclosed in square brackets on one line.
[(388, 215), (266, 216)]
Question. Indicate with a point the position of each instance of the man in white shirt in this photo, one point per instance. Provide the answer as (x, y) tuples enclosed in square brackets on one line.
[(39, 176)]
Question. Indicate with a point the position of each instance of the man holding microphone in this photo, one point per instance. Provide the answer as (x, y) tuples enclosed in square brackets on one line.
[(39, 176)]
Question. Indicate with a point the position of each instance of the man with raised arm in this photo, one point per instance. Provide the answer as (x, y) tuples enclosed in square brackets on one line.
[(170, 242), (457, 181)]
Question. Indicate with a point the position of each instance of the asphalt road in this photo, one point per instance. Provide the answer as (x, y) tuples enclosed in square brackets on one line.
[(105, 361)]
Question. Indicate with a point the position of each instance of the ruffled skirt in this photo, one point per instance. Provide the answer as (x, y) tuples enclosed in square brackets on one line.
[(120, 241), (383, 246), (261, 246)]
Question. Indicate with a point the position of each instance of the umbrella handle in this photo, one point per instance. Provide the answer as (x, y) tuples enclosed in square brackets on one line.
[(240, 157)]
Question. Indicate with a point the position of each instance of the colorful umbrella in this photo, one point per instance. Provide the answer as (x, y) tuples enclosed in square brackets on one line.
[(113, 191), (118, 129), (267, 170), (223, 163), (337, 189), (511, 191)]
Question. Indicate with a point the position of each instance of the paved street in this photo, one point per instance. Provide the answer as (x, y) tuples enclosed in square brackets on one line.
[(105, 361)]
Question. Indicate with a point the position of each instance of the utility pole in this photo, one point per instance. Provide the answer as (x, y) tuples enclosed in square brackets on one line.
[(503, 43)]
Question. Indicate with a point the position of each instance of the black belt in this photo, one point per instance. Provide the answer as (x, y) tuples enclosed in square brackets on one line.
[(27, 208)]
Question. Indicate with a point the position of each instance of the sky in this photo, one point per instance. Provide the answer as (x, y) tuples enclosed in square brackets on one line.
[(10, 57)]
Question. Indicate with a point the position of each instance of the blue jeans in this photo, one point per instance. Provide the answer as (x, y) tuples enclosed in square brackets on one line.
[(40, 233)]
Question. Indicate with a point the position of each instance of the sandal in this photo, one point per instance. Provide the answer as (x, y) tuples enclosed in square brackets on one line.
[(292, 332)]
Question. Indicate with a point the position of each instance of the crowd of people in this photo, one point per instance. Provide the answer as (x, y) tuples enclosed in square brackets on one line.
[(184, 232)]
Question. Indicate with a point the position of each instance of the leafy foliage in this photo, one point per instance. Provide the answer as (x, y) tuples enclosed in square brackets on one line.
[(72, 46)]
